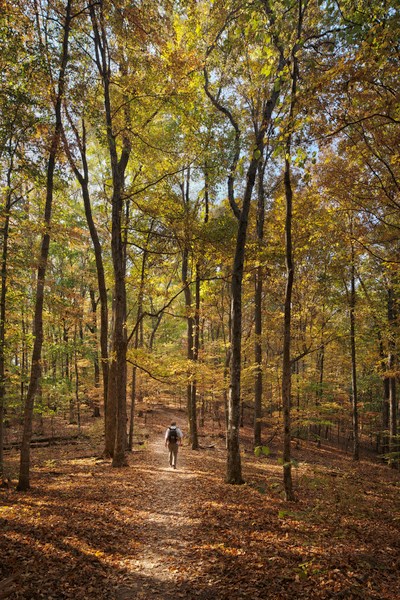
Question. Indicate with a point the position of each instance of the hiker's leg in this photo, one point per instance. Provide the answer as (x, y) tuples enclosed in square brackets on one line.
[(170, 454), (175, 452)]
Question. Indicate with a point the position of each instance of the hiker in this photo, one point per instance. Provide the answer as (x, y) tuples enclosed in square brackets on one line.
[(173, 439)]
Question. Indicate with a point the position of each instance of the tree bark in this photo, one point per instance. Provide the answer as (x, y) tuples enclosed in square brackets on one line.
[(138, 342), (24, 472), (96, 404), (234, 469), (392, 400), (132, 411), (320, 371), (3, 297), (191, 392), (190, 337), (93, 331), (76, 371), (287, 320), (101, 282), (117, 376), (354, 392), (196, 348), (287, 366), (384, 440), (258, 290)]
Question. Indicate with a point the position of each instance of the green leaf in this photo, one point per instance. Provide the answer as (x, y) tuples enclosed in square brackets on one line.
[(262, 450)]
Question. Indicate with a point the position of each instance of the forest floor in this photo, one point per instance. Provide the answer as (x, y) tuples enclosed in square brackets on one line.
[(86, 531)]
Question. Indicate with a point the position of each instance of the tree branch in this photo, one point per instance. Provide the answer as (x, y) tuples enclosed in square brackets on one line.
[(225, 111)]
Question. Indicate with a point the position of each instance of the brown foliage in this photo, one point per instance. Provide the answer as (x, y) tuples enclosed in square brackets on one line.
[(87, 531)]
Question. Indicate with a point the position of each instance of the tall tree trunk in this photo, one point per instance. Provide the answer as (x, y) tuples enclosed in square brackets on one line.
[(24, 472), (67, 369), (116, 414), (96, 366), (96, 403), (76, 371), (119, 333), (258, 289), (24, 362), (287, 325), (384, 441), (320, 371), (191, 394), (392, 400), (354, 393), (3, 296), (234, 469), (190, 336), (132, 411), (196, 348), (287, 321), (101, 282), (319, 396), (110, 414), (258, 383), (206, 193), (138, 342)]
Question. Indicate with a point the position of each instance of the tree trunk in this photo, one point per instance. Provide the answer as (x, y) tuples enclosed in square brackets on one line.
[(132, 411), (24, 473), (191, 399), (234, 469), (319, 391), (96, 366), (392, 400), (76, 370), (258, 289), (116, 415), (196, 347), (383, 439), (110, 414), (321, 362), (354, 394), (96, 403), (24, 362), (138, 341), (258, 384), (287, 322), (287, 325), (3, 295), (119, 333), (190, 338), (101, 282)]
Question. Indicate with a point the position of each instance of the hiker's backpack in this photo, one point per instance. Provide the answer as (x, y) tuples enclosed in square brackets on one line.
[(172, 435)]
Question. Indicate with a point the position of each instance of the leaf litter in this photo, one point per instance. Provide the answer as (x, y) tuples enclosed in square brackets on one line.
[(86, 531)]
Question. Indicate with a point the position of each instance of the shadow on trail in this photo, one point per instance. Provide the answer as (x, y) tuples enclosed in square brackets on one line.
[(148, 532)]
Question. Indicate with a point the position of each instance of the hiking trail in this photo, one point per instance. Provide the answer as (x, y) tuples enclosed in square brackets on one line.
[(155, 573)]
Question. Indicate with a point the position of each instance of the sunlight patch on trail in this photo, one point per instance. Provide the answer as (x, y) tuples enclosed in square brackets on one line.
[(155, 572)]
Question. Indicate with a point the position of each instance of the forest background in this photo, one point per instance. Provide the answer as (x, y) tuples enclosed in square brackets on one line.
[(200, 202)]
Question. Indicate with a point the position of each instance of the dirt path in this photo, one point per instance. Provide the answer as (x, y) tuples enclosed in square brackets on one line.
[(168, 530), (210, 541), (86, 531)]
